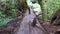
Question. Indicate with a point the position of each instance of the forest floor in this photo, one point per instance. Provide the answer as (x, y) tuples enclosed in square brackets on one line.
[(23, 26)]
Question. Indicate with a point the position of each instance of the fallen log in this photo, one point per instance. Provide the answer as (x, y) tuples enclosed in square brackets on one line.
[(28, 24)]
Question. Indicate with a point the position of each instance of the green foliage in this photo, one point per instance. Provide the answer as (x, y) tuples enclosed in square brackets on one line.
[(43, 7), (8, 10), (5, 20), (51, 6)]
